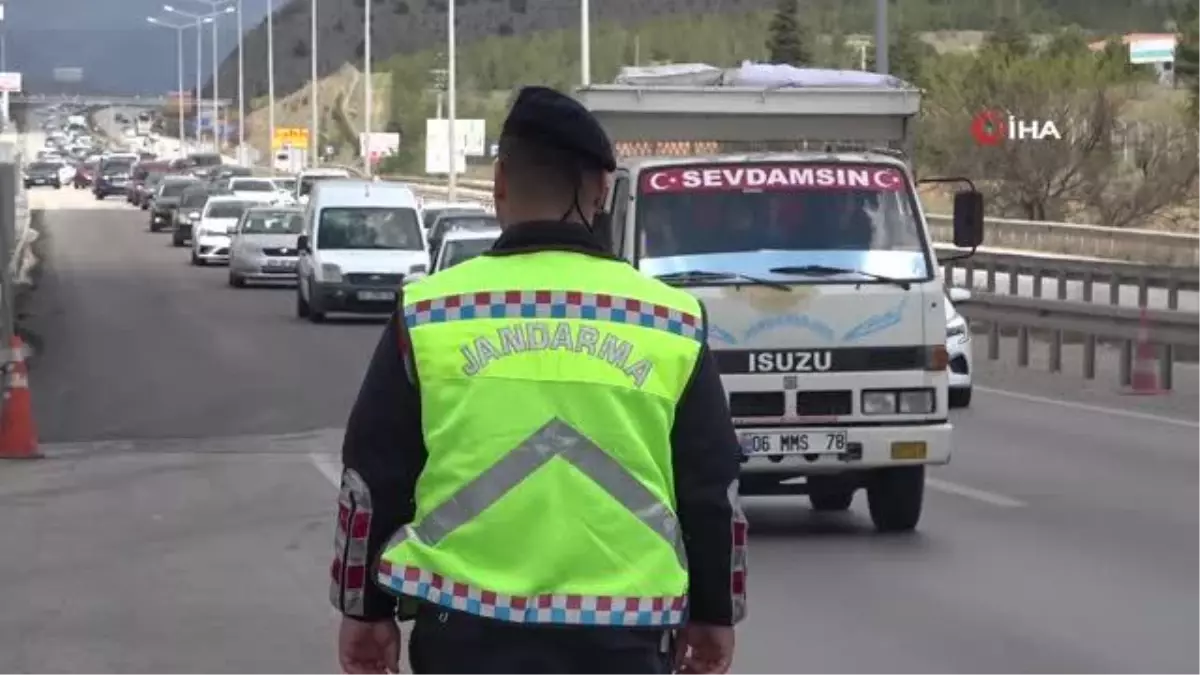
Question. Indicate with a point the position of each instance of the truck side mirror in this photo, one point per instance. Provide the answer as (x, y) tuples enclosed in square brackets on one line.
[(302, 243), (968, 219)]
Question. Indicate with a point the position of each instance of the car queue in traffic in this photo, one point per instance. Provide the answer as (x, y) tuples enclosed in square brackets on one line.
[(344, 244)]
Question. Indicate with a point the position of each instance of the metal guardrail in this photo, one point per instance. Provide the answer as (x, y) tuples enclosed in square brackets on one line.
[(1088, 241), (102, 100), (1089, 324), (1060, 271)]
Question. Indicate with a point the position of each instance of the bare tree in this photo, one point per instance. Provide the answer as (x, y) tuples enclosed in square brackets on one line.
[(1162, 174)]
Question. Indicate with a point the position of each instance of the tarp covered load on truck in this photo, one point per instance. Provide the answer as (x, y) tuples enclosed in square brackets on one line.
[(700, 109)]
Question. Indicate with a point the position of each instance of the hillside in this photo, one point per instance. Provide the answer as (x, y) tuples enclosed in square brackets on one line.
[(409, 26)]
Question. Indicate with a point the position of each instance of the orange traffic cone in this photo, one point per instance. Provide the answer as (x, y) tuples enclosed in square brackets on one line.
[(18, 436), (1144, 379)]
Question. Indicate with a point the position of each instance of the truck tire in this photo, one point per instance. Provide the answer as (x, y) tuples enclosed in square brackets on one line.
[(895, 496), (830, 493), (314, 315), (831, 501), (960, 397)]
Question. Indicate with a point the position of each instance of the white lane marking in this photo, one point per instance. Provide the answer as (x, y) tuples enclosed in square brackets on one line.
[(330, 466), (984, 496), (1102, 410)]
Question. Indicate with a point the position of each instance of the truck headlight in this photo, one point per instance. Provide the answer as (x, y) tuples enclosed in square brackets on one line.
[(916, 402), (879, 403), (331, 273)]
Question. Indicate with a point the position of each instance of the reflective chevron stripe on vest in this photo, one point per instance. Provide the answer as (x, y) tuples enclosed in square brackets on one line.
[(556, 439), (536, 504)]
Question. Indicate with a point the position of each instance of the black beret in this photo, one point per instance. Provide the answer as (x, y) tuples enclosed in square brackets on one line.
[(543, 115)]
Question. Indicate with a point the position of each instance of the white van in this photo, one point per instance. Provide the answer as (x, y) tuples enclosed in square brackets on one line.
[(310, 177), (362, 240)]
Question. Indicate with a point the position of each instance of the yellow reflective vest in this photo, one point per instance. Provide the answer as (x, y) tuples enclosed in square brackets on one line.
[(548, 385)]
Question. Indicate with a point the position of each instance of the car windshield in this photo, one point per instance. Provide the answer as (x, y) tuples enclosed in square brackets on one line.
[(751, 218), (256, 185), (307, 183), (464, 222), (430, 216), (225, 209), (285, 184), (117, 167), (194, 200), (462, 250), (369, 228), (154, 178), (175, 188), (205, 160), (279, 222), (43, 166)]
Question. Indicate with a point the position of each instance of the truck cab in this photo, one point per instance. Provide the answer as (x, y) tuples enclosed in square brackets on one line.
[(814, 263)]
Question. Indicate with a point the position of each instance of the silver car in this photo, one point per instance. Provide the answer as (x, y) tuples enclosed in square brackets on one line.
[(264, 245)]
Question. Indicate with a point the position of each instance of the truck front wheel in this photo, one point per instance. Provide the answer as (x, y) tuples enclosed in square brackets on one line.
[(830, 493), (895, 496)]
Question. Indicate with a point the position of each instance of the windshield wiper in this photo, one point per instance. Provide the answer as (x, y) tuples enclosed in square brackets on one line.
[(826, 270), (704, 275)]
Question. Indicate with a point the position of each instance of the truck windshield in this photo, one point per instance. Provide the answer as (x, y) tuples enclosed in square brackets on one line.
[(751, 218)]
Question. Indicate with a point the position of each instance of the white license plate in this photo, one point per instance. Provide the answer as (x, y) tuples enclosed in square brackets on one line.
[(281, 264), (820, 441), (373, 296)]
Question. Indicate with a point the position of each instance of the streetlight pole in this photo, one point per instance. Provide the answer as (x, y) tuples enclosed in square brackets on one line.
[(452, 102), (585, 42), (314, 135), (881, 37), (271, 84), (367, 108), (178, 28), (242, 155), (201, 19)]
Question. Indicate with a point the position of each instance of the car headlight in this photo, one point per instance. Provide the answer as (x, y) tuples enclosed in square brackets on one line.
[(957, 328), (879, 403), (331, 273)]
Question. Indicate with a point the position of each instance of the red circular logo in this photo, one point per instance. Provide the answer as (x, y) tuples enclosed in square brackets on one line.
[(989, 127)]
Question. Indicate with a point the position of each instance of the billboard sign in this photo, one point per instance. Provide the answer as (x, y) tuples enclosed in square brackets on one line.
[(71, 75), (1152, 50), (10, 83), (290, 137)]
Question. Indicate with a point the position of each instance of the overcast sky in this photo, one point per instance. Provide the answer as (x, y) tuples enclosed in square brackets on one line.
[(111, 40)]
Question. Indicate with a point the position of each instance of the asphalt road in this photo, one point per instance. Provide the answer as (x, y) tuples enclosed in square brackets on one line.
[(183, 520)]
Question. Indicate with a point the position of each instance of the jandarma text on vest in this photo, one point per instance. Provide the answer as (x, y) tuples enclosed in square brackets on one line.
[(532, 336)]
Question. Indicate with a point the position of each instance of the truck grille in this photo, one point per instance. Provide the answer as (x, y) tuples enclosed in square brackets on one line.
[(756, 404), (280, 251), (824, 403), (359, 279)]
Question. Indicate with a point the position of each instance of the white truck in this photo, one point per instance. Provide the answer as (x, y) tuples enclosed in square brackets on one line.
[(821, 287)]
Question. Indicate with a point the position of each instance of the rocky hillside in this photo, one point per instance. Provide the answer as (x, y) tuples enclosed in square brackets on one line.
[(403, 26)]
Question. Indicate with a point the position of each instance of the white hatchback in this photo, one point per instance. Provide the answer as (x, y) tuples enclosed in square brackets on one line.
[(958, 344), (211, 235)]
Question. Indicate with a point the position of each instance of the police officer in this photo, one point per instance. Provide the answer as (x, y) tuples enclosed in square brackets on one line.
[(540, 468)]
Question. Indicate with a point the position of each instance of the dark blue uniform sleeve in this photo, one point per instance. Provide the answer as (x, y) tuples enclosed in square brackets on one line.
[(382, 455), (707, 459)]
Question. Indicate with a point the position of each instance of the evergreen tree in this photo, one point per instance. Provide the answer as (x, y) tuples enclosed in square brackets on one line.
[(907, 53), (1188, 27), (787, 40), (1010, 38)]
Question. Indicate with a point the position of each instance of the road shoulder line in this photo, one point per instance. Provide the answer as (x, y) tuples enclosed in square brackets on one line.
[(1087, 407)]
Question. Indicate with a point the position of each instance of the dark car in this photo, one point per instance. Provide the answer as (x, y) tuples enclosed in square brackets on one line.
[(135, 190), (43, 173), (458, 220), (85, 173), (112, 179), (166, 201), (191, 205), (204, 160)]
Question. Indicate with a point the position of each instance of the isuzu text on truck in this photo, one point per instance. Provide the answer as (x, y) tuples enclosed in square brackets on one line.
[(821, 285)]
